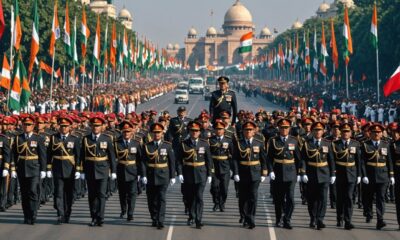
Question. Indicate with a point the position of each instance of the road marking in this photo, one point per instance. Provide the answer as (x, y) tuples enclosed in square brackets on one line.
[(194, 104), (171, 228), (271, 229)]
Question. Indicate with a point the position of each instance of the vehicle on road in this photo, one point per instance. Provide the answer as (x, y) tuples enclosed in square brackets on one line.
[(196, 85), (181, 96), (207, 94)]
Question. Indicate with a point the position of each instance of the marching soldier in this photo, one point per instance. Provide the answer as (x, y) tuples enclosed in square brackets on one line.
[(283, 158), (249, 168), (318, 171), (63, 164), (223, 100), (333, 136), (158, 168), (30, 161), (98, 160), (46, 185), (9, 124), (4, 169), (379, 171), (395, 151), (347, 156), (221, 148), (128, 153), (194, 169)]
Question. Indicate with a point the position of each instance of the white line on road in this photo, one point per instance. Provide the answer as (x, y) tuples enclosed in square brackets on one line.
[(271, 229), (171, 228)]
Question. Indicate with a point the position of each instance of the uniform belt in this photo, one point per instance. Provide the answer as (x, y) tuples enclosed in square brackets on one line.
[(194, 164), (96, 159), (220, 158), (127, 162), (158, 165), (28, 157), (284, 161), (375, 164), (68, 158), (249, 163), (318, 164), (346, 164)]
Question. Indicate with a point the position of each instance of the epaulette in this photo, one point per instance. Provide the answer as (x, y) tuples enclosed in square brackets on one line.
[(227, 136), (167, 142), (110, 136), (203, 140), (75, 136), (258, 140)]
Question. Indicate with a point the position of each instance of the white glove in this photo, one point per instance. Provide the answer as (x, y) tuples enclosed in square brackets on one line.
[(262, 178), (272, 176), (144, 180), (230, 173), (5, 173), (358, 180), (236, 178), (298, 178), (333, 179), (180, 177), (49, 174), (138, 178), (113, 176), (392, 182), (82, 176), (365, 180), (305, 179), (42, 174), (13, 174), (209, 179), (172, 182), (77, 175)]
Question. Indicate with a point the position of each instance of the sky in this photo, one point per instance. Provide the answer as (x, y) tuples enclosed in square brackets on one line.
[(168, 21)]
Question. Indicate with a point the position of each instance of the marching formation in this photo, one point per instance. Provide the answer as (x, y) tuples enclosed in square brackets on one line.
[(66, 154)]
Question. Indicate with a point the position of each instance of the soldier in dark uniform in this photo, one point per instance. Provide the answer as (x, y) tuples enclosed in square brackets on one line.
[(128, 153), (333, 136), (63, 165), (318, 170), (194, 169), (223, 100), (304, 136), (30, 161), (379, 171), (4, 168), (112, 131), (206, 129), (98, 160), (347, 156), (13, 193), (283, 159), (395, 151), (221, 148), (158, 168), (249, 169)]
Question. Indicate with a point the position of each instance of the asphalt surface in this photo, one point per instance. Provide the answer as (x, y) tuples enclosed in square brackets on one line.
[(218, 225)]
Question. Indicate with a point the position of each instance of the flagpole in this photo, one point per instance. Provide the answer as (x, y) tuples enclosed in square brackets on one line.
[(52, 76), (93, 77), (11, 52), (347, 82), (377, 71), (84, 75)]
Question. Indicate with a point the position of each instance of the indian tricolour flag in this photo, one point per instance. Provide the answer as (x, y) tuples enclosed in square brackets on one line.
[(246, 43), (374, 28)]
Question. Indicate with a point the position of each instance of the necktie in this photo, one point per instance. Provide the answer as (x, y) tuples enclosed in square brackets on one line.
[(126, 143), (95, 138), (317, 143), (284, 140), (248, 143), (346, 144), (63, 138), (156, 143), (376, 144), (26, 136)]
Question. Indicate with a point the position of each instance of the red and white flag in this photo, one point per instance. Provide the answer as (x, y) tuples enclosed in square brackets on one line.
[(393, 84)]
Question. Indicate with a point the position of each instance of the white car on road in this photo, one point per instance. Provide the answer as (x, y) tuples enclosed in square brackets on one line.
[(181, 96)]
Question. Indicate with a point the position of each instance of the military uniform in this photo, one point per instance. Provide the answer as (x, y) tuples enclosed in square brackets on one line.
[(249, 163), (4, 167), (223, 101), (63, 159), (98, 160), (158, 168), (46, 184), (395, 152)]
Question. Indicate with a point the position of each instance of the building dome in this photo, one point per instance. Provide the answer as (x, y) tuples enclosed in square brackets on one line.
[(176, 47), (324, 7), (347, 3), (297, 24), (265, 32), (170, 46), (192, 32), (125, 14), (238, 13), (211, 31)]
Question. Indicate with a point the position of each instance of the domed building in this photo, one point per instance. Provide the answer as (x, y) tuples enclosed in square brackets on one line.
[(221, 46), (125, 17), (102, 6), (297, 24), (326, 11)]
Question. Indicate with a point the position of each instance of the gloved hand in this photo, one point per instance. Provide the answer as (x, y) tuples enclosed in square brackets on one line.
[(333, 179), (262, 178), (180, 178), (230, 173), (365, 180), (209, 179), (42, 174), (298, 178), (5, 173), (392, 181), (144, 180), (305, 179), (358, 180), (49, 174), (172, 182), (272, 176), (13, 174), (138, 178), (82, 176), (77, 175), (113, 176), (236, 178)]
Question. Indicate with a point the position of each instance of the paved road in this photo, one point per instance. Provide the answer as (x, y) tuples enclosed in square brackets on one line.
[(218, 225)]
